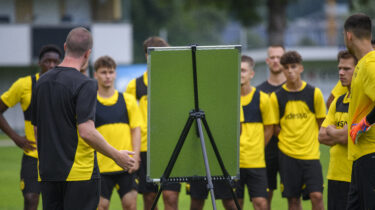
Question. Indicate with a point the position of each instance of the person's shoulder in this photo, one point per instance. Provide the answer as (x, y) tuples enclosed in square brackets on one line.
[(262, 85), (129, 97)]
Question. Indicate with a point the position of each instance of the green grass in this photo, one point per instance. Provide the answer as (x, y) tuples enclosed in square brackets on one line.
[(11, 196)]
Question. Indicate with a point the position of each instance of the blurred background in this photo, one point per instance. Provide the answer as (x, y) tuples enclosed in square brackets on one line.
[(314, 28)]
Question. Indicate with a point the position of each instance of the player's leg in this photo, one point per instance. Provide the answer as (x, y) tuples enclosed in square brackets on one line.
[(107, 183), (52, 195), (170, 195), (240, 187), (83, 195), (127, 189), (198, 195), (272, 166), (291, 180), (223, 192), (29, 182), (337, 194), (313, 178), (257, 186), (148, 190), (366, 181), (353, 194)]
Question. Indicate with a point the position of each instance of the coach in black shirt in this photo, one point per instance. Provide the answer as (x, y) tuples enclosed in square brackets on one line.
[(63, 112)]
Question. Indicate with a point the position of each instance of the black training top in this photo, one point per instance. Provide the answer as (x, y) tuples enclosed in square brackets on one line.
[(62, 99)]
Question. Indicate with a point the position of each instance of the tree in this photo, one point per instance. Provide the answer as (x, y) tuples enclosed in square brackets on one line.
[(276, 21)]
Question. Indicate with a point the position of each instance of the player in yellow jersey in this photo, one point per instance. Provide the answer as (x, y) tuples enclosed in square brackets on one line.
[(118, 119), (138, 88), (257, 129), (299, 110), (20, 92), (334, 133), (361, 143)]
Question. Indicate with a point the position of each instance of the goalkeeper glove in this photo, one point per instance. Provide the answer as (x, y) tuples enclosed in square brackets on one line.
[(358, 129)]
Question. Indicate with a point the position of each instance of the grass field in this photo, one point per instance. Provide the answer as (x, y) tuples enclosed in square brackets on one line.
[(11, 196)]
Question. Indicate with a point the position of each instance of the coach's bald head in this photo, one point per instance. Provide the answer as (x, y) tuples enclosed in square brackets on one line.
[(78, 42)]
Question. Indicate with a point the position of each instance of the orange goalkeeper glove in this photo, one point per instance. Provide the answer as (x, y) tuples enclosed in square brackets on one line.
[(358, 129)]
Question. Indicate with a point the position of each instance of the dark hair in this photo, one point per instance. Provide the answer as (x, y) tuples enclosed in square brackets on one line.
[(290, 57), (154, 41), (248, 60), (344, 54), (78, 41), (373, 42), (359, 24), (49, 48), (104, 61)]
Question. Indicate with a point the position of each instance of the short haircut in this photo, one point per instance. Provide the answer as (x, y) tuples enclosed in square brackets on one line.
[(276, 46), (49, 48), (373, 42), (104, 61), (78, 41), (291, 57), (154, 41), (344, 54), (249, 60), (360, 25)]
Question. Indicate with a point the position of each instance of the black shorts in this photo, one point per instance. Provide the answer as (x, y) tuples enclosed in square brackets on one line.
[(256, 181), (198, 190), (361, 190), (83, 195), (143, 185), (337, 194), (272, 162), (296, 173), (29, 175), (147, 187), (123, 181)]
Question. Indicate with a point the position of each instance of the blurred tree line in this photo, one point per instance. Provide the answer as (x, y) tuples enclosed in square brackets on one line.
[(201, 21)]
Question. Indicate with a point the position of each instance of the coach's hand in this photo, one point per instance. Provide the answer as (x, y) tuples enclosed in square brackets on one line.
[(358, 129), (124, 160), (135, 167), (24, 143)]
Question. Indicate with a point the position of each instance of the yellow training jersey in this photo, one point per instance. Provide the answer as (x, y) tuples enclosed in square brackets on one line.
[(361, 103), (297, 114), (20, 92), (340, 168), (257, 112), (138, 88), (114, 119), (339, 90)]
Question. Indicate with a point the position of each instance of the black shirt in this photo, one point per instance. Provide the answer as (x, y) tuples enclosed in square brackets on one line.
[(62, 99)]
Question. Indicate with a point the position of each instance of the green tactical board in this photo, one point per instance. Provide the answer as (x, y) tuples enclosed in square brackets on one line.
[(171, 98)]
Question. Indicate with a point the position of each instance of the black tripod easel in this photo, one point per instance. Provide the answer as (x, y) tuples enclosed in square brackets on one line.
[(199, 116)]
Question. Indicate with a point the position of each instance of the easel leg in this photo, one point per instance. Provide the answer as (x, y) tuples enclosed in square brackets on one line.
[(221, 163), (173, 158), (210, 186)]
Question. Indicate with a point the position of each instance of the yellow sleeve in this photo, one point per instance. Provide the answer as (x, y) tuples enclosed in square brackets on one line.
[(275, 107), (330, 118), (242, 117), (319, 104), (134, 113), (14, 95), (131, 88), (369, 80), (338, 90), (268, 117)]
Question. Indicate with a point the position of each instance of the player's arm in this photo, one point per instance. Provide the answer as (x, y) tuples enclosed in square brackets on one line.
[(136, 143), (324, 138), (92, 137), (320, 121), (340, 136), (268, 132), (329, 100), (20, 141)]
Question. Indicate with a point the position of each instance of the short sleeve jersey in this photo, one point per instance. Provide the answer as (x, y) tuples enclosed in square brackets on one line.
[(361, 103), (297, 113), (257, 112), (339, 90), (340, 168), (20, 92), (115, 117), (64, 98), (133, 89)]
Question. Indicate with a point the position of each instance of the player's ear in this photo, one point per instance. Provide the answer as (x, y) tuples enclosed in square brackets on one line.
[(65, 46)]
